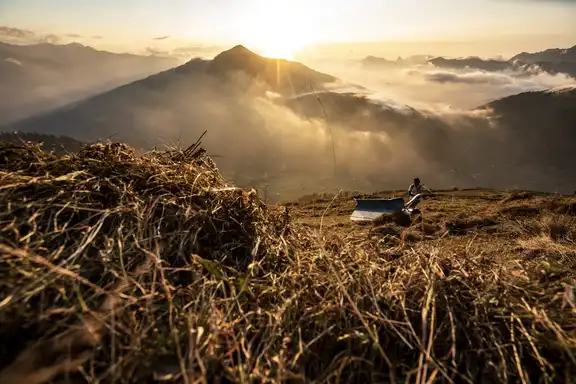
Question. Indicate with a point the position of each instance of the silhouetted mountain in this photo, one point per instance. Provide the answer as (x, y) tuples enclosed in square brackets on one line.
[(472, 63), (553, 61), (283, 76), (555, 55), (57, 56), (554, 66), (356, 111), (568, 68), (50, 143), (40, 77), (175, 94), (373, 61), (376, 62), (417, 59), (543, 123)]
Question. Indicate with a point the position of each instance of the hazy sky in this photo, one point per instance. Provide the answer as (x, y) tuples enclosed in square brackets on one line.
[(278, 26)]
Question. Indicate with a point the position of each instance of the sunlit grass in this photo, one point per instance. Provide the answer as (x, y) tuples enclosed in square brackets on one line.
[(124, 267)]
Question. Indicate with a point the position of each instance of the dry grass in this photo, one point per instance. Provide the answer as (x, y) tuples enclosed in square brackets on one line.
[(124, 267)]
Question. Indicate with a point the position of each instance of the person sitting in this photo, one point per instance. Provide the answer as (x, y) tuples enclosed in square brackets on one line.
[(416, 188)]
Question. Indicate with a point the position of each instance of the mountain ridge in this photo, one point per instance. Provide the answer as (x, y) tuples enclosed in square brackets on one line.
[(553, 61), (548, 55), (242, 118), (40, 77)]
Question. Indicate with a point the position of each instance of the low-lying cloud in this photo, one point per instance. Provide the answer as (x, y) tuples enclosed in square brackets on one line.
[(361, 145), (379, 147), (468, 78), (475, 88), (184, 52), (16, 33), (203, 51), (13, 35), (157, 52), (25, 36), (13, 61), (427, 86)]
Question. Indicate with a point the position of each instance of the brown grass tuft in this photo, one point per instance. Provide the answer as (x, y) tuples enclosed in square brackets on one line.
[(515, 196), (521, 211), (556, 227), (466, 225)]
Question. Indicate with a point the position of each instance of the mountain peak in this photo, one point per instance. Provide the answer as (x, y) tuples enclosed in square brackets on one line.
[(76, 44), (238, 58), (239, 48), (238, 51)]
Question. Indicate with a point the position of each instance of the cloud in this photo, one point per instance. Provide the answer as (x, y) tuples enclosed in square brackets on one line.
[(197, 50), (508, 81), (16, 33), (469, 78), (427, 87), (25, 36), (376, 147), (185, 52), (161, 38), (13, 61), (50, 38), (152, 51)]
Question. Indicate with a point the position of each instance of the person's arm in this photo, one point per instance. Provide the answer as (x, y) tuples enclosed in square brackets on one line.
[(410, 188)]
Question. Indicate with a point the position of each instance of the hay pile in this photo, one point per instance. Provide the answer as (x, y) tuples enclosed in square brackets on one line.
[(135, 268), (109, 230)]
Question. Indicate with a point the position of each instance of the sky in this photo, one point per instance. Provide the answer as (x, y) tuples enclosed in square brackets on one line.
[(281, 27)]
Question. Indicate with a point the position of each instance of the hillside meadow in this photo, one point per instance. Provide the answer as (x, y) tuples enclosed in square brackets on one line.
[(120, 266)]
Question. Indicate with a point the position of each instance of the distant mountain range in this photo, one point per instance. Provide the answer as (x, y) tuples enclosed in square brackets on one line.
[(40, 77), (568, 68), (175, 93), (246, 102), (373, 61), (473, 63), (553, 61), (555, 55)]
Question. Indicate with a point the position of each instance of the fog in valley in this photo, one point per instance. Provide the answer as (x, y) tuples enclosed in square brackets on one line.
[(290, 132)]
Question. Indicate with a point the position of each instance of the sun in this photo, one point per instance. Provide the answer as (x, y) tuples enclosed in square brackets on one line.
[(278, 43), (277, 30), (278, 49), (278, 53)]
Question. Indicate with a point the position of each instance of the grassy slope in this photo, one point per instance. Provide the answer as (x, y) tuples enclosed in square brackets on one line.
[(138, 267)]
